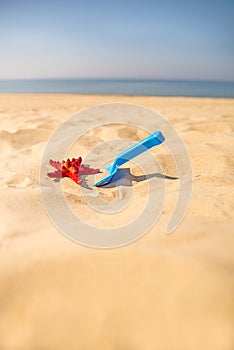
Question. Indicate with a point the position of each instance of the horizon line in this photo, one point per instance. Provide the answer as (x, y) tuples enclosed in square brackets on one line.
[(120, 79)]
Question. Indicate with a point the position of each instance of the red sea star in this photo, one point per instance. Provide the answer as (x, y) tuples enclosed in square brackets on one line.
[(71, 168)]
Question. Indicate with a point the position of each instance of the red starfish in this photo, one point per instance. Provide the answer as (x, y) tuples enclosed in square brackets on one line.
[(71, 168)]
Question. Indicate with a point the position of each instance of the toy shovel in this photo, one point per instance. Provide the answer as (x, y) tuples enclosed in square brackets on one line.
[(154, 139)]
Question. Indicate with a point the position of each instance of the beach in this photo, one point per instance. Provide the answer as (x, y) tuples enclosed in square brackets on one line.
[(164, 292)]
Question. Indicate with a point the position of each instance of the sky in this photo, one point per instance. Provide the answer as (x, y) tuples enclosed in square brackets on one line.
[(168, 39)]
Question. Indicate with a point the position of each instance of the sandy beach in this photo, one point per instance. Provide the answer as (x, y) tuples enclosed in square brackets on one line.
[(164, 292)]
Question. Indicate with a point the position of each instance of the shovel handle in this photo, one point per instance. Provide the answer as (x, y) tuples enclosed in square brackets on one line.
[(152, 140)]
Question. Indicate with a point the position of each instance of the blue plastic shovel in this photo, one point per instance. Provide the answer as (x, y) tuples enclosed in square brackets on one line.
[(154, 139)]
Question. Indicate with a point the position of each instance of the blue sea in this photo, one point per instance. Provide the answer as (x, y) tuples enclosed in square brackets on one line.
[(120, 87)]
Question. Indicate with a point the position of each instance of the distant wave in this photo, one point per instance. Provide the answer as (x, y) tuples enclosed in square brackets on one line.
[(121, 87)]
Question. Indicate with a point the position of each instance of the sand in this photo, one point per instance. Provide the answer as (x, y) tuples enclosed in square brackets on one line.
[(164, 292)]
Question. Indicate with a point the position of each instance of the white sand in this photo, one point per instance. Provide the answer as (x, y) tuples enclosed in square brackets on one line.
[(161, 292)]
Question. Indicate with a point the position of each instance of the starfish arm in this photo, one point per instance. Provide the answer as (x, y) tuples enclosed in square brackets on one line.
[(57, 165), (85, 170), (55, 174)]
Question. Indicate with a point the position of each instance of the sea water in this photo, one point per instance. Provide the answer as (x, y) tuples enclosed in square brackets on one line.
[(121, 87)]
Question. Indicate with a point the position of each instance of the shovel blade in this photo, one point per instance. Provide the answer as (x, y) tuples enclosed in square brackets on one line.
[(108, 178)]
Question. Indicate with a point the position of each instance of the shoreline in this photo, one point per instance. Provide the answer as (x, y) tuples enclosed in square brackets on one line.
[(112, 95)]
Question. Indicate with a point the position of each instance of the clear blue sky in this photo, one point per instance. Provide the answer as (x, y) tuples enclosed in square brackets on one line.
[(165, 39)]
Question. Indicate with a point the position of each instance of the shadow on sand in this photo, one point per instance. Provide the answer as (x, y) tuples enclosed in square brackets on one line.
[(123, 177)]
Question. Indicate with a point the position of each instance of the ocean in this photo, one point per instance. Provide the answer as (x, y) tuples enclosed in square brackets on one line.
[(120, 87)]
